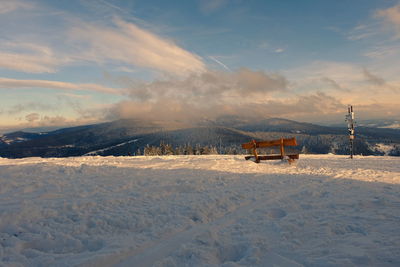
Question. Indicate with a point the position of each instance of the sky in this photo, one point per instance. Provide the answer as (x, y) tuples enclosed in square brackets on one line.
[(65, 63)]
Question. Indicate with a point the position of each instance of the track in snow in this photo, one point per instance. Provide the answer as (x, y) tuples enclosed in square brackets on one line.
[(154, 252)]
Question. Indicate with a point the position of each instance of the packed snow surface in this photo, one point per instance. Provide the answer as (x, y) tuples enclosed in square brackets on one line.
[(200, 211)]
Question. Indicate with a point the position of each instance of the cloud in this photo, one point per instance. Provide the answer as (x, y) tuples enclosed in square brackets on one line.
[(16, 83), (322, 89), (391, 16), (297, 107), (38, 114), (198, 96), (383, 52), (350, 84), (381, 86), (30, 106), (78, 104), (363, 31), (129, 44), (33, 120), (30, 58), (76, 96), (207, 86), (333, 84), (209, 6), (373, 79), (344, 73), (32, 117), (111, 5), (7, 6), (250, 82), (121, 44), (384, 19), (264, 45), (51, 121)]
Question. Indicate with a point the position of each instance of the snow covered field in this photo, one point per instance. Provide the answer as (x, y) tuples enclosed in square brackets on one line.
[(200, 211)]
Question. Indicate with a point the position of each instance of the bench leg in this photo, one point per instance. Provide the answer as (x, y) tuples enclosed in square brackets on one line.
[(255, 151), (256, 155), (282, 149)]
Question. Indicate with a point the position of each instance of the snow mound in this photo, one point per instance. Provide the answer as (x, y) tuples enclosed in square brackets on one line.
[(199, 211)]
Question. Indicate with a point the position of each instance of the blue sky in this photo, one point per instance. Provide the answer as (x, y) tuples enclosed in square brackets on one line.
[(67, 63)]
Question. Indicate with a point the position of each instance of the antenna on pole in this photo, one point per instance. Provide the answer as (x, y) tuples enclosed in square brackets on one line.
[(350, 127)]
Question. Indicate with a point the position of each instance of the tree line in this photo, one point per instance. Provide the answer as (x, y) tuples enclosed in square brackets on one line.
[(167, 149)]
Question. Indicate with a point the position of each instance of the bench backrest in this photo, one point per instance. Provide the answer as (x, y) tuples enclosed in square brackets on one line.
[(278, 142)]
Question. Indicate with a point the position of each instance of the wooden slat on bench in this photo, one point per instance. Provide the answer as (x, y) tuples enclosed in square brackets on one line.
[(286, 142), (272, 157)]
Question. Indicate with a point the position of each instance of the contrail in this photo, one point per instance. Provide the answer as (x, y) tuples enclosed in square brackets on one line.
[(111, 5), (220, 63)]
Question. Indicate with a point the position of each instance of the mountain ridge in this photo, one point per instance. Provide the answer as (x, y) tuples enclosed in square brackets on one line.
[(226, 134)]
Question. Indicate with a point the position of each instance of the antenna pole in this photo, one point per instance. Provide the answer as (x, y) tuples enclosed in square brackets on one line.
[(350, 127)]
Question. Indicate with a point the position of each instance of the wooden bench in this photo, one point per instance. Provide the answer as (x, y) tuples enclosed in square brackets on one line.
[(279, 142)]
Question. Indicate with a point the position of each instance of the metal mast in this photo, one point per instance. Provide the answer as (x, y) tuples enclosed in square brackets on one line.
[(350, 127)]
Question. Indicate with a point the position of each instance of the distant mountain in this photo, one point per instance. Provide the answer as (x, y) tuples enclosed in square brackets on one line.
[(125, 137), (202, 136), (289, 126), (382, 123), (112, 138), (390, 124), (18, 137)]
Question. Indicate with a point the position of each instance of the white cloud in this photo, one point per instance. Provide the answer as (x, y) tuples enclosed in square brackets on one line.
[(30, 63), (364, 31), (31, 57), (122, 44), (209, 86), (270, 48), (126, 69), (201, 95), (169, 109), (391, 16), (384, 20), (70, 95), (16, 83), (348, 83), (7, 6), (129, 44), (322, 88)]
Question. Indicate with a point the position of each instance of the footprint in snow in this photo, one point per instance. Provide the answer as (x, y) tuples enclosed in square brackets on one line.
[(276, 213)]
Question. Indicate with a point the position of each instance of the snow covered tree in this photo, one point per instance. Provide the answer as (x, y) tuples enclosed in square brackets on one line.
[(198, 150), (188, 150), (213, 150)]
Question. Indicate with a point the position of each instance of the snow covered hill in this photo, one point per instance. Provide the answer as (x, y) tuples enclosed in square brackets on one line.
[(116, 138), (199, 211)]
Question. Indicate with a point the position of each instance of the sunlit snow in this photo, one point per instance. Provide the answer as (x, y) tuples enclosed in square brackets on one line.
[(200, 211)]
